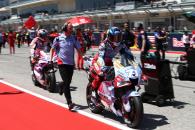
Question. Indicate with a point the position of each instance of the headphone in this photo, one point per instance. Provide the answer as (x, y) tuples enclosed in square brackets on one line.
[(64, 27)]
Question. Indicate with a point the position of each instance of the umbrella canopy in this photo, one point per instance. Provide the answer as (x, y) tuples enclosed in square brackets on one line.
[(80, 20), (190, 15), (54, 35)]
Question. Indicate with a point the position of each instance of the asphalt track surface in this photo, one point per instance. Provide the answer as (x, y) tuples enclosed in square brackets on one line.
[(15, 70), (21, 110)]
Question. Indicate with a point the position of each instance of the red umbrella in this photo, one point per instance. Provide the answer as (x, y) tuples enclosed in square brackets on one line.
[(54, 35), (80, 20)]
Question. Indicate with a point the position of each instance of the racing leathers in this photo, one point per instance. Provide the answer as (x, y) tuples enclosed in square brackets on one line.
[(38, 57), (103, 60)]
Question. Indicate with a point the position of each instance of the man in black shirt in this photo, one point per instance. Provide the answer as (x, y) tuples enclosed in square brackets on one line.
[(128, 36)]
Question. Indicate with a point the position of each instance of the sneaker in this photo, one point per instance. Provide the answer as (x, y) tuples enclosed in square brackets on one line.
[(72, 107)]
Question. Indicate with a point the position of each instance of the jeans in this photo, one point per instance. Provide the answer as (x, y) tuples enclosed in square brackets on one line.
[(66, 72), (126, 54)]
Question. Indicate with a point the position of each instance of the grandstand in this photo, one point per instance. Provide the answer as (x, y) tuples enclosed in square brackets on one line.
[(50, 13)]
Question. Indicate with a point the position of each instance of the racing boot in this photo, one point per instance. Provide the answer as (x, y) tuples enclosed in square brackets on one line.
[(96, 98), (126, 119)]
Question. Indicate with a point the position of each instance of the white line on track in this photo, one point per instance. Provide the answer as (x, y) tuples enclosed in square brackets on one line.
[(5, 61), (119, 126)]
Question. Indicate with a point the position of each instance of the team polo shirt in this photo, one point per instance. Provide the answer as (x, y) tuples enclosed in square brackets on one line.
[(64, 47)]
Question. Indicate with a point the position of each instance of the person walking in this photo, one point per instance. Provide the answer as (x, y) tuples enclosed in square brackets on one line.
[(160, 38), (86, 36), (4, 39), (32, 34), (128, 36), (18, 37), (37, 47), (82, 42), (11, 41), (193, 39), (143, 41), (1, 41), (186, 40), (64, 46)]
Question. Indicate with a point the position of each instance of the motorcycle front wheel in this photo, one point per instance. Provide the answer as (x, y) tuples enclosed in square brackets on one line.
[(35, 81), (136, 114), (51, 80), (92, 106)]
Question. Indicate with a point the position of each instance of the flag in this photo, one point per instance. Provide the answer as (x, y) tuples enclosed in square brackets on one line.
[(151, 39), (30, 22), (177, 43)]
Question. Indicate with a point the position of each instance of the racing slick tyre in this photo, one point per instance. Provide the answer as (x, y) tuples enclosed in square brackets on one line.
[(144, 97), (91, 104), (182, 72), (51, 80), (136, 114), (35, 81), (160, 101)]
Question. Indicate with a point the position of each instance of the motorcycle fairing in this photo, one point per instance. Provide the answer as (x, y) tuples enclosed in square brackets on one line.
[(106, 92)]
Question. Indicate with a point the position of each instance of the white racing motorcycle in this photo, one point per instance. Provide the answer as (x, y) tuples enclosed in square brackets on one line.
[(43, 72), (118, 92)]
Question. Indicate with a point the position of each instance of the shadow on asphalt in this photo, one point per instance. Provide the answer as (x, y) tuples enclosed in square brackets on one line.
[(182, 86), (149, 122), (152, 121), (73, 88), (110, 115), (11, 93), (81, 107), (179, 104), (174, 104), (59, 84), (6, 54)]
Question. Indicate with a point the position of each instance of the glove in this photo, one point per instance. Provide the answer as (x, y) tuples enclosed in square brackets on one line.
[(104, 68), (33, 59), (101, 75), (85, 58), (50, 62)]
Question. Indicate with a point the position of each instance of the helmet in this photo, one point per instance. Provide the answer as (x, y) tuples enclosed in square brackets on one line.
[(42, 33), (114, 35), (113, 31)]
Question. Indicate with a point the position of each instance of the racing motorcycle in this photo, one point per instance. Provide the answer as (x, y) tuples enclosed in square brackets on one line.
[(47, 69), (118, 92)]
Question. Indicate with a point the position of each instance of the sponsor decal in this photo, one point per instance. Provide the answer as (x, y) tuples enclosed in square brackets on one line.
[(149, 66)]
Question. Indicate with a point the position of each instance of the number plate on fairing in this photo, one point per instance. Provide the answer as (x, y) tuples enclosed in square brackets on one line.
[(132, 73)]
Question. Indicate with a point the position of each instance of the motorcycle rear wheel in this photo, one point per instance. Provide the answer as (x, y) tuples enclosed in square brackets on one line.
[(92, 106), (136, 114), (182, 71)]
